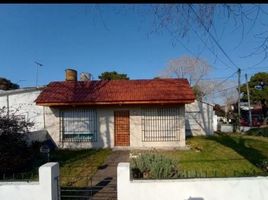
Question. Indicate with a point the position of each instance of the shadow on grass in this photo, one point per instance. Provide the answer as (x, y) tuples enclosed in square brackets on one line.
[(239, 145), (258, 132)]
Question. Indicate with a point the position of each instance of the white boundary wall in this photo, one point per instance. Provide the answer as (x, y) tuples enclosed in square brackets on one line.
[(253, 188), (45, 189)]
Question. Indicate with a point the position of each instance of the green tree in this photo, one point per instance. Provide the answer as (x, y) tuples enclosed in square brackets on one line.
[(113, 76), (6, 84), (256, 95)]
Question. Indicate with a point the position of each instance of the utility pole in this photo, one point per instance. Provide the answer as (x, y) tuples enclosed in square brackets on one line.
[(37, 65), (249, 111), (238, 102)]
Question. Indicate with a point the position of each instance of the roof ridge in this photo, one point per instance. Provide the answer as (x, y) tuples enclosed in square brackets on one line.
[(156, 79)]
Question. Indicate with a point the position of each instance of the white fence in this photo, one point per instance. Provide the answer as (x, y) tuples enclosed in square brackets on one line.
[(253, 188), (45, 189)]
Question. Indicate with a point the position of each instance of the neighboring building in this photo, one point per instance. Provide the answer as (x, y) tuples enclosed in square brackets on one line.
[(200, 119), (257, 114), (135, 113), (21, 101)]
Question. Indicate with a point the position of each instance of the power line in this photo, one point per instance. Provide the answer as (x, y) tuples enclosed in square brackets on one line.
[(213, 38), (199, 37), (253, 68), (221, 90), (225, 80), (226, 55), (216, 78)]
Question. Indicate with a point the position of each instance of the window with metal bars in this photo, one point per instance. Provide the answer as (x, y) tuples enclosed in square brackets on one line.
[(160, 124), (78, 125)]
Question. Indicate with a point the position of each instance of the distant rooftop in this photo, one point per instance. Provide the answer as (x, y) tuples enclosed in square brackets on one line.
[(20, 90)]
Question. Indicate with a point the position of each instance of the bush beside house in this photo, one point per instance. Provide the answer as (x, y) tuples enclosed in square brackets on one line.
[(153, 166), (14, 152)]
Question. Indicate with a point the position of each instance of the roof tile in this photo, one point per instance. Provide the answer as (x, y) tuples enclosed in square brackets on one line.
[(117, 91)]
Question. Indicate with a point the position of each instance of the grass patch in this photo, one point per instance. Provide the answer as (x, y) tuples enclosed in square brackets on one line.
[(220, 156), (77, 166)]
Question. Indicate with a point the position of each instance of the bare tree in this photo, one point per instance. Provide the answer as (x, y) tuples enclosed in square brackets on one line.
[(201, 20), (191, 68), (180, 20), (230, 98), (218, 91), (208, 88), (195, 70)]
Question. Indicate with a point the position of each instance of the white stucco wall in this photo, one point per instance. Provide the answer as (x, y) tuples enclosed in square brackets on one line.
[(248, 188), (45, 189), (215, 122), (105, 129), (136, 131), (199, 119), (22, 100)]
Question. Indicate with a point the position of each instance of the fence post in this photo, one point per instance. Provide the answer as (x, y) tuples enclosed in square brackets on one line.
[(123, 180), (49, 180)]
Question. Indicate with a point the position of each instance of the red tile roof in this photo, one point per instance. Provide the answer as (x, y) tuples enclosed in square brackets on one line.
[(158, 91)]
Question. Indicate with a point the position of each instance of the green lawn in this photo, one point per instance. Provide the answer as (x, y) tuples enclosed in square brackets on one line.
[(220, 156), (77, 166), (214, 156)]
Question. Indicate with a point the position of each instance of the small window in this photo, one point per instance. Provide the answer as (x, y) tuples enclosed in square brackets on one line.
[(78, 124), (160, 124)]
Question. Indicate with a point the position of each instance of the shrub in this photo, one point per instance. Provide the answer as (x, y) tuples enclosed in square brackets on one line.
[(264, 165), (153, 166), (14, 153)]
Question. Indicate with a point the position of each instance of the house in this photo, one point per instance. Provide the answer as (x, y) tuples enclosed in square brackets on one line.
[(200, 119), (134, 113), (21, 101)]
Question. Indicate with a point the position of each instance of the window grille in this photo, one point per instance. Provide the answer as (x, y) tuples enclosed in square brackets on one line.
[(160, 124), (78, 124)]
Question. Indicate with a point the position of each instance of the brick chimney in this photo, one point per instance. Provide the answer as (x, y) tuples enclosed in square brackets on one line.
[(70, 75)]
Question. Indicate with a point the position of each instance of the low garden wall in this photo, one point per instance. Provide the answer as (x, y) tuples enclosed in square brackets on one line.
[(246, 188), (45, 189), (227, 128)]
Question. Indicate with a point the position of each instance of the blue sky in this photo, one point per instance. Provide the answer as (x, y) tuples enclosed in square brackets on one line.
[(98, 38)]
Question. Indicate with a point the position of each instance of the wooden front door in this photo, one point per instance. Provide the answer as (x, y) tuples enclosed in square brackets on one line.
[(121, 127)]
